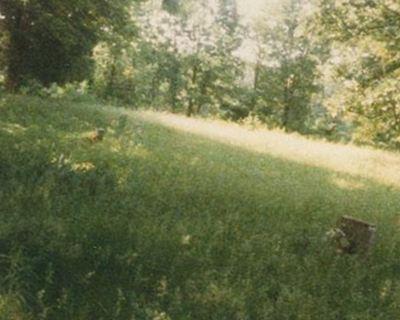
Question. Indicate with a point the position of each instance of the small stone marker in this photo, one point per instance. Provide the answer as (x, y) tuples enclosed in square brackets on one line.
[(354, 236), (97, 135)]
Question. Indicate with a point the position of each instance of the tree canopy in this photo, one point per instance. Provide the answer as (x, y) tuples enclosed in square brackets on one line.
[(325, 67), (52, 41)]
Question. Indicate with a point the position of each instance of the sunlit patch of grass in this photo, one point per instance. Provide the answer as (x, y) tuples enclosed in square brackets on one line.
[(11, 128), (348, 184), (382, 166), (83, 166)]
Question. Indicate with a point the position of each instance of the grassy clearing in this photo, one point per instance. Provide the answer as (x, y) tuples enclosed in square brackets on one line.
[(154, 223)]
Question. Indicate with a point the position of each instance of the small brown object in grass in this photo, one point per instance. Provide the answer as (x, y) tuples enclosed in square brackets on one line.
[(97, 135), (354, 236)]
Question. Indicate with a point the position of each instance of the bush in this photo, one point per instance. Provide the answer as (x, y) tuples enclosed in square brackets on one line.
[(78, 91)]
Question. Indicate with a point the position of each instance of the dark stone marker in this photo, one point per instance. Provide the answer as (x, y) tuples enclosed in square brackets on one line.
[(355, 236), (100, 132)]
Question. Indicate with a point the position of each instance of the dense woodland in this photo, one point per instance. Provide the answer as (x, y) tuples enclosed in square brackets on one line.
[(325, 67)]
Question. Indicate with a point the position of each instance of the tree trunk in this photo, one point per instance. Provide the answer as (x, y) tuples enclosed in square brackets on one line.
[(396, 116), (190, 109), (286, 109), (111, 77), (203, 92), (257, 70), (17, 49)]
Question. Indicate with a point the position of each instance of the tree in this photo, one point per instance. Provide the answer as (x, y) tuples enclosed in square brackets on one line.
[(367, 37), (3, 41), (185, 60), (286, 77), (52, 41)]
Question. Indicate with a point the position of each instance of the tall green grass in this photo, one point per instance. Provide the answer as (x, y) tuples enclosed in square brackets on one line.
[(152, 223)]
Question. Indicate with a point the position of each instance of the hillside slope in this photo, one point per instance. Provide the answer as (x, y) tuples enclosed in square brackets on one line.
[(364, 162), (156, 223)]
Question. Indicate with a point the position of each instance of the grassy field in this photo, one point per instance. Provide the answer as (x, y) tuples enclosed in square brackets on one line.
[(168, 221)]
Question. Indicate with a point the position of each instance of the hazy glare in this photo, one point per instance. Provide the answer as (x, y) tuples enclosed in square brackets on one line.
[(253, 9)]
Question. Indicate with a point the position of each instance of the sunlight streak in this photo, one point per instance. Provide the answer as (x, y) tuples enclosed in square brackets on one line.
[(379, 165)]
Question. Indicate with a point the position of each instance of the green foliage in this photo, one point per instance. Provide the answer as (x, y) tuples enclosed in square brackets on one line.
[(180, 62), (287, 69), (172, 6), (371, 66), (154, 224), (74, 92), (113, 75), (52, 41)]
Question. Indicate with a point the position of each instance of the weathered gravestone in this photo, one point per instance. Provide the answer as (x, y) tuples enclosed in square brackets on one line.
[(354, 236)]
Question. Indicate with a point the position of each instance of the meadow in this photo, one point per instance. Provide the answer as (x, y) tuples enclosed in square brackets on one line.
[(161, 222)]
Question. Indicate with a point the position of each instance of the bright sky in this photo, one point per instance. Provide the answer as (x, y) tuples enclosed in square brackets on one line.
[(252, 9)]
